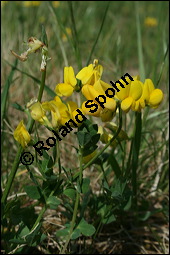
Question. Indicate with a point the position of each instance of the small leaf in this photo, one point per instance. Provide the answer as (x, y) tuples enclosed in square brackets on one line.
[(53, 202), (70, 193), (109, 219), (32, 192), (76, 233), (18, 107), (85, 228), (83, 138), (63, 232), (128, 205)]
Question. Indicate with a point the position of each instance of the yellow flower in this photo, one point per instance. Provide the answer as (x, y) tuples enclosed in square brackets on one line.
[(152, 96), (96, 99), (59, 112), (90, 74), (21, 135), (151, 22), (129, 95), (55, 4), (67, 88)]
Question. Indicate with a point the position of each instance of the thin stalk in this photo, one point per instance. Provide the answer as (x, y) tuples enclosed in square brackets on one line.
[(58, 158), (75, 36), (12, 174), (39, 217), (135, 154), (56, 30), (20, 149), (73, 221), (100, 30)]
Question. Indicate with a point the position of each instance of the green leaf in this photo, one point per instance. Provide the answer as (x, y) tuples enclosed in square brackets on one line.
[(17, 241), (71, 193), (109, 219), (89, 150), (32, 192), (76, 233), (115, 166), (25, 231), (145, 216), (128, 205), (62, 232), (85, 228), (83, 138), (18, 107), (53, 202)]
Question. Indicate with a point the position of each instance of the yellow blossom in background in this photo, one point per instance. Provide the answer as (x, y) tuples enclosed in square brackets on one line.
[(90, 74), (69, 33), (151, 22), (67, 88), (31, 3), (55, 4), (3, 3), (21, 135)]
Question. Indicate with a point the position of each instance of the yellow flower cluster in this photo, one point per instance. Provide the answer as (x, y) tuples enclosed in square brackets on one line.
[(54, 114)]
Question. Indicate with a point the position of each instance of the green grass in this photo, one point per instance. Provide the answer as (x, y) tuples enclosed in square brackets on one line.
[(113, 32)]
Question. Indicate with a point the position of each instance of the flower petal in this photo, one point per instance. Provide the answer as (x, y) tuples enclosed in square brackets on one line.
[(64, 89), (126, 104), (135, 89), (156, 97)]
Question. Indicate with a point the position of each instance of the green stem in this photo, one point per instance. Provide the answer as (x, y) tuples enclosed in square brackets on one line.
[(76, 205), (58, 158), (20, 149), (12, 174), (97, 38), (135, 154), (39, 217)]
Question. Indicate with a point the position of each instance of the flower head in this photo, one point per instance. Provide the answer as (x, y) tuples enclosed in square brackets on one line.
[(67, 88), (90, 74), (21, 135)]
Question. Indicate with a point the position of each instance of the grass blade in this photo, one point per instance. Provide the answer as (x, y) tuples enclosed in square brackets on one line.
[(99, 33), (139, 43), (6, 89)]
